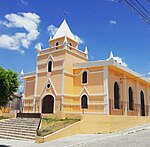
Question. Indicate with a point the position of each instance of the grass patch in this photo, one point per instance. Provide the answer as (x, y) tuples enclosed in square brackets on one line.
[(50, 125), (2, 117)]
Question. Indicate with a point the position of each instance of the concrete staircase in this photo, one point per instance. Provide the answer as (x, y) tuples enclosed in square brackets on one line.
[(19, 128)]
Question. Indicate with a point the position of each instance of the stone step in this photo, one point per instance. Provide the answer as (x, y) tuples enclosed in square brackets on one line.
[(16, 127), (17, 130), (19, 124), (17, 135), (14, 138), (19, 127)]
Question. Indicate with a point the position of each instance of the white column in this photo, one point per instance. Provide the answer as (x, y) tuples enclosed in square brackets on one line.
[(62, 90), (35, 91), (106, 94), (124, 94), (138, 97)]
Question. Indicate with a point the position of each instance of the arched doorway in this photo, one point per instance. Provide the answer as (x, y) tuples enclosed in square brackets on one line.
[(142, 103), (48, 104), (84, 102)]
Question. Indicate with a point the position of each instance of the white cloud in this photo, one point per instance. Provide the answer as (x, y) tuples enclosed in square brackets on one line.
[(24, 2), (92, 57), (52, 30), (113, 22), (37, 45), (80, 41), (28, 21), (120, 61), (114, 1)]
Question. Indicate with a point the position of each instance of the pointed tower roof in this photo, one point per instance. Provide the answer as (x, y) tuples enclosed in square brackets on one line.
[(111, 55), (64, 30), (86, 50)]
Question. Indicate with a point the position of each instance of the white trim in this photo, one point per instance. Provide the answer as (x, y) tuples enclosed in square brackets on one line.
[(62, 90), (89, 72), (42, 63), (107, 63), (35, 91), (28, 98), (126, 69), (138, 97), (71, 95), (77, 104), (50, 52), (103, 113), (27, 75), (84, 88), (92, 64), (50, 72), (106, 92), (41, 102), (125, 94)]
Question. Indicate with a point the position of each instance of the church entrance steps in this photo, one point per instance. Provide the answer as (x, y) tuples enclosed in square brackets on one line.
[(93, 124), (19, 128)]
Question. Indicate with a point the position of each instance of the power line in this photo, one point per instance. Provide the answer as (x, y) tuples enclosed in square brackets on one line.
[(143, 6), (139, 9)]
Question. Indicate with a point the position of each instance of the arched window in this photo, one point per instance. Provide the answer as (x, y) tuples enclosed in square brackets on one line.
[(142, 103), (84, 77), (50, 66), (131, 101), (116, 96), (57, 43), (84, 102)]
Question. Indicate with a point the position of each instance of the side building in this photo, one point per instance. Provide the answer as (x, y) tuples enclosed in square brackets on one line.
[(65, 83)]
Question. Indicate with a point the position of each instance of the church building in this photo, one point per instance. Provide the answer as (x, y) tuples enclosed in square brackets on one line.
[(66, 84)]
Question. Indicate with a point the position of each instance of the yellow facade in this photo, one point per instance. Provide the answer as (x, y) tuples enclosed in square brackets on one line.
[(60, 91)]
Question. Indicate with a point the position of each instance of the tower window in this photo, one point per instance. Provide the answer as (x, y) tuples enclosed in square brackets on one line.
[(50, 66), (84, 77), (116, 96), (57, 43)]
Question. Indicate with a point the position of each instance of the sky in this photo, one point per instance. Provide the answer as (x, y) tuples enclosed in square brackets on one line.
[(101, 25)]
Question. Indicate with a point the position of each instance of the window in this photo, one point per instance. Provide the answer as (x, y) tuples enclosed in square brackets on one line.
[(116, 96), (84, 103), (57, 43), (131, 102), (50, 66), (70, 44), (84, 77)]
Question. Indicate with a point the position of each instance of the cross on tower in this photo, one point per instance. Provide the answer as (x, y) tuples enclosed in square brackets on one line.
[(65, 14)]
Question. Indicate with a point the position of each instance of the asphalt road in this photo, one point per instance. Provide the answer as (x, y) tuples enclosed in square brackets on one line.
[(135, 137)]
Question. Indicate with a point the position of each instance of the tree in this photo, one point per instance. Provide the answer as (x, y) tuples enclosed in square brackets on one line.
[(8, 85)]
